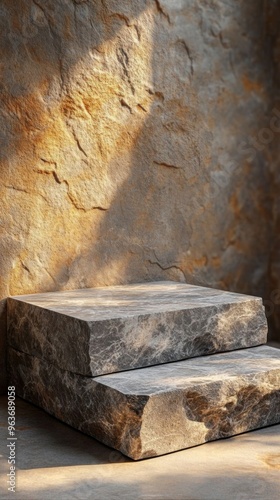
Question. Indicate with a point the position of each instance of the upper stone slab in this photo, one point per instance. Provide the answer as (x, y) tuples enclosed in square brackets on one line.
[(103, 330)]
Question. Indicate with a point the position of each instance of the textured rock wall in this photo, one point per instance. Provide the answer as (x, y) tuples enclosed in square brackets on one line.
[(127, 136), (273, 143)]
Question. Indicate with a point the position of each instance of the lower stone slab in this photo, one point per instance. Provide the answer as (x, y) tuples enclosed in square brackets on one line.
[(156, 410)]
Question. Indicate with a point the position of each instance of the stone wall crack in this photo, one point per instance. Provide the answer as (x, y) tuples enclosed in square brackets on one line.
[(168, 165), (124, 62), (162, 11)]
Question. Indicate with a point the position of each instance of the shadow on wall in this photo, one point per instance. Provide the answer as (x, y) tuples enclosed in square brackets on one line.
[(125, 144)]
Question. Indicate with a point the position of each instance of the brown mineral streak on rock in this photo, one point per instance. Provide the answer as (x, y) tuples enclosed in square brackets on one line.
[(251, 85), (272, 460), (125, 181), (219, 420)]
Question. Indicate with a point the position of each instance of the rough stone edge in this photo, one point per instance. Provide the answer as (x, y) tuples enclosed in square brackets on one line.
[(118, 416)]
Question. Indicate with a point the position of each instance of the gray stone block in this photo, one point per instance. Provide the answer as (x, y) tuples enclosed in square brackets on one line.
[(160, 409), (106, 330)]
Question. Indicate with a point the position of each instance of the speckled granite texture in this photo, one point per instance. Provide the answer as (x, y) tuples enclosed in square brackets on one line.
[(157, 410), (105, 330)]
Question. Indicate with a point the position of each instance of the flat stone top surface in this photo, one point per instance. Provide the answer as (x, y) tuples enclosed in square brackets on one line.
[(93, 304), (192, 372)]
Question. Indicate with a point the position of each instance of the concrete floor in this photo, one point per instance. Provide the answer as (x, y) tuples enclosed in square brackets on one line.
[(55, 461)]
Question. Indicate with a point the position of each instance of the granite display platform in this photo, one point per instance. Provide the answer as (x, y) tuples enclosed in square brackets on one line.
[(144, 368), (157, 410), (104, 330)]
